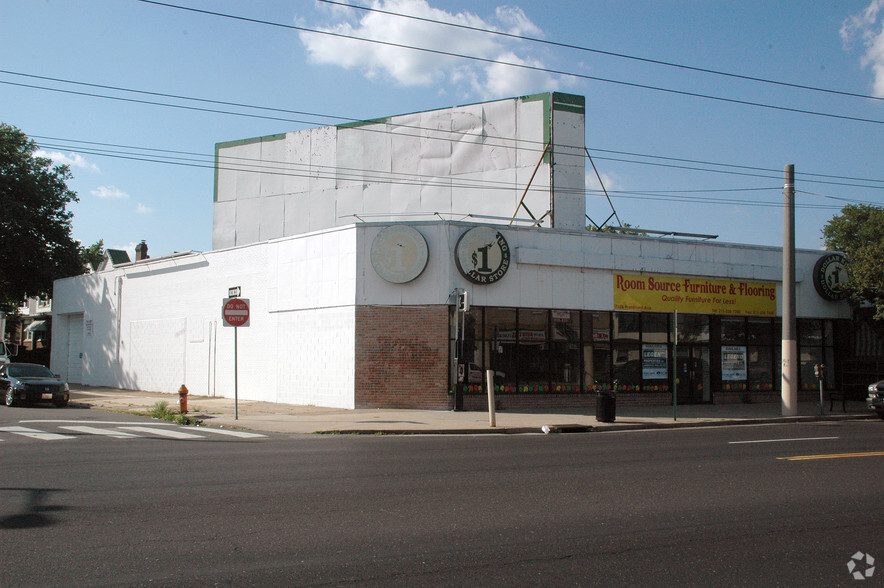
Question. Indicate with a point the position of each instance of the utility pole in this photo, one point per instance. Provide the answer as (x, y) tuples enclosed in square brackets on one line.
[(790, 340)]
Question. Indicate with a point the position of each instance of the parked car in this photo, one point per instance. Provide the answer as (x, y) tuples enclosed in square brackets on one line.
[(32, 382), (875, 400)]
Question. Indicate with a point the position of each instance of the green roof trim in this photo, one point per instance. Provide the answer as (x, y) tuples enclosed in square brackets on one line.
[(569, 103), (364, 123), (239, 143)]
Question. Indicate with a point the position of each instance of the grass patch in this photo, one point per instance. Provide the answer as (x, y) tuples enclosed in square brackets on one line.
[(162, 411)]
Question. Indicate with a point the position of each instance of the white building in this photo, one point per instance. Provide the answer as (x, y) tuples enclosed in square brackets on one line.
[(353, 245)]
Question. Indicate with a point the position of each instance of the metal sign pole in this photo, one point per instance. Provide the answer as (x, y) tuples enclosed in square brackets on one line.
[(235, 377), (675, 364)]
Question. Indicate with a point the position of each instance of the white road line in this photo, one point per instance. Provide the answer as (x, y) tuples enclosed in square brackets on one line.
[(97, 431), (780, 440), (164, 432), (241, 434), (35, 433), (56, 421)]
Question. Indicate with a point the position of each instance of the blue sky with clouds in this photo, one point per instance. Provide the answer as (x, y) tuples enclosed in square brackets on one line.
[(108, 86)]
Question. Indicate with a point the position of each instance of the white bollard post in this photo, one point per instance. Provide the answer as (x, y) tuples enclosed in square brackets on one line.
[(489, 382)]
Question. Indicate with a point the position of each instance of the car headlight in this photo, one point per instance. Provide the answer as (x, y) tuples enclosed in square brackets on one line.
[(873, 387), (65, 387)]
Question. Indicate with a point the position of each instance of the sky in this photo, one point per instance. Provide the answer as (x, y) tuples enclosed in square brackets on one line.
[(693, 109)]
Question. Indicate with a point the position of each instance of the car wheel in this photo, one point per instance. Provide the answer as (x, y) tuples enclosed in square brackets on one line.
[(9, 397), (880, 414), (60, 403)]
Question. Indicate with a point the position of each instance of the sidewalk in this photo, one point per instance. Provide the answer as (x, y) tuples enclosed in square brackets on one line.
[(287, 418)]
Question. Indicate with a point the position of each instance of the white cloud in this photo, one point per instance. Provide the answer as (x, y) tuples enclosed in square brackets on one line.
[(142, 209), (592, 182), (71, 159), (409, 67), (868, 28), (109, 192)]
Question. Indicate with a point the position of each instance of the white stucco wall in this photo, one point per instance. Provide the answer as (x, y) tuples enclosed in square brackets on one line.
[(156, 325)]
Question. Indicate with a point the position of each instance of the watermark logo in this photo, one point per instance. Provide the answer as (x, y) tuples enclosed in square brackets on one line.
[(856, 563)]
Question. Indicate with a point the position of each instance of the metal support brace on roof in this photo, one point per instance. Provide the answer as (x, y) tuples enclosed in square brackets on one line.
[(611, 204), (530, 181)]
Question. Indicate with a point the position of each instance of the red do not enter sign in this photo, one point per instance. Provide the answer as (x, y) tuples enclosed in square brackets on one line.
[(235, 312)]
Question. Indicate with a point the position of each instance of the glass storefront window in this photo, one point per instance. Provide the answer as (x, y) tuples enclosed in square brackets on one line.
[(596, 327), (627, 368), (596, 350), (565, 350), (500, 345), (761, 368), (626, 326), (759, 331), (810, 356), (810, 332), (596, 365), (500, 324), (571, 351), (693, 328), (655, 328), (733, 330), (533, 325)]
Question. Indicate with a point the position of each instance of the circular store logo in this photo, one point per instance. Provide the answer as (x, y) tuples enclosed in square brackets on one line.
[(399, 254), (482, 255), (830, 275)]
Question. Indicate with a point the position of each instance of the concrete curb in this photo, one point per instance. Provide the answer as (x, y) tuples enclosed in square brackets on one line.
[(559, 429)]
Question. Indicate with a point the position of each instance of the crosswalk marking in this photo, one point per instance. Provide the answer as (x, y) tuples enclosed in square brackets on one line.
[(164, 432), (77, 421), (97, 431), (240, 434), (35, 433), (122, 430)]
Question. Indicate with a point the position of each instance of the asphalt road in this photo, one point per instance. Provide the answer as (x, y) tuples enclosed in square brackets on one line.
[(695, 507)]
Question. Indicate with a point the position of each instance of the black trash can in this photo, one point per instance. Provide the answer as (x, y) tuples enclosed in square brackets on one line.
[(606, 407)]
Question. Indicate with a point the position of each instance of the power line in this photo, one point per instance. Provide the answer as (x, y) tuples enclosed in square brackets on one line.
[(608, 53), (658, 161), (248, 165), (519, 65), (433, 134)]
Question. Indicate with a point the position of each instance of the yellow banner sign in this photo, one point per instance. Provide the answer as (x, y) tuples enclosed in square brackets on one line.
[(695, 295)]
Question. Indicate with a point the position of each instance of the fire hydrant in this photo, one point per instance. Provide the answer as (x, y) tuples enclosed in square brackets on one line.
[(182, 399)]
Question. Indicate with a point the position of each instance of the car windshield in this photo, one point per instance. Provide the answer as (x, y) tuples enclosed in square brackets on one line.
[(30, 371)]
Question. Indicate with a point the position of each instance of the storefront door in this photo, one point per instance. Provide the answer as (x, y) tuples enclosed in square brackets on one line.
[(692, 369)]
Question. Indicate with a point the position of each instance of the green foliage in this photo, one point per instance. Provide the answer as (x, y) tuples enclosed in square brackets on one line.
[(858, 232), (36, 246), (626, 229), (93, 255), (160, 410)]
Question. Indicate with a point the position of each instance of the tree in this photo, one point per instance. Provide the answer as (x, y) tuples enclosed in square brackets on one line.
[(93, 255), (858, 232), (36, 246)]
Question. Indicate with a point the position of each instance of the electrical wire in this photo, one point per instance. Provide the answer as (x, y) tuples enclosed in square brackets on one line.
[(607, 53), (517, 65), (505, 141), (247, 165)]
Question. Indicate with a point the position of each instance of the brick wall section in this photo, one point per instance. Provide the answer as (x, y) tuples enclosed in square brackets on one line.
[(402, 357)]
